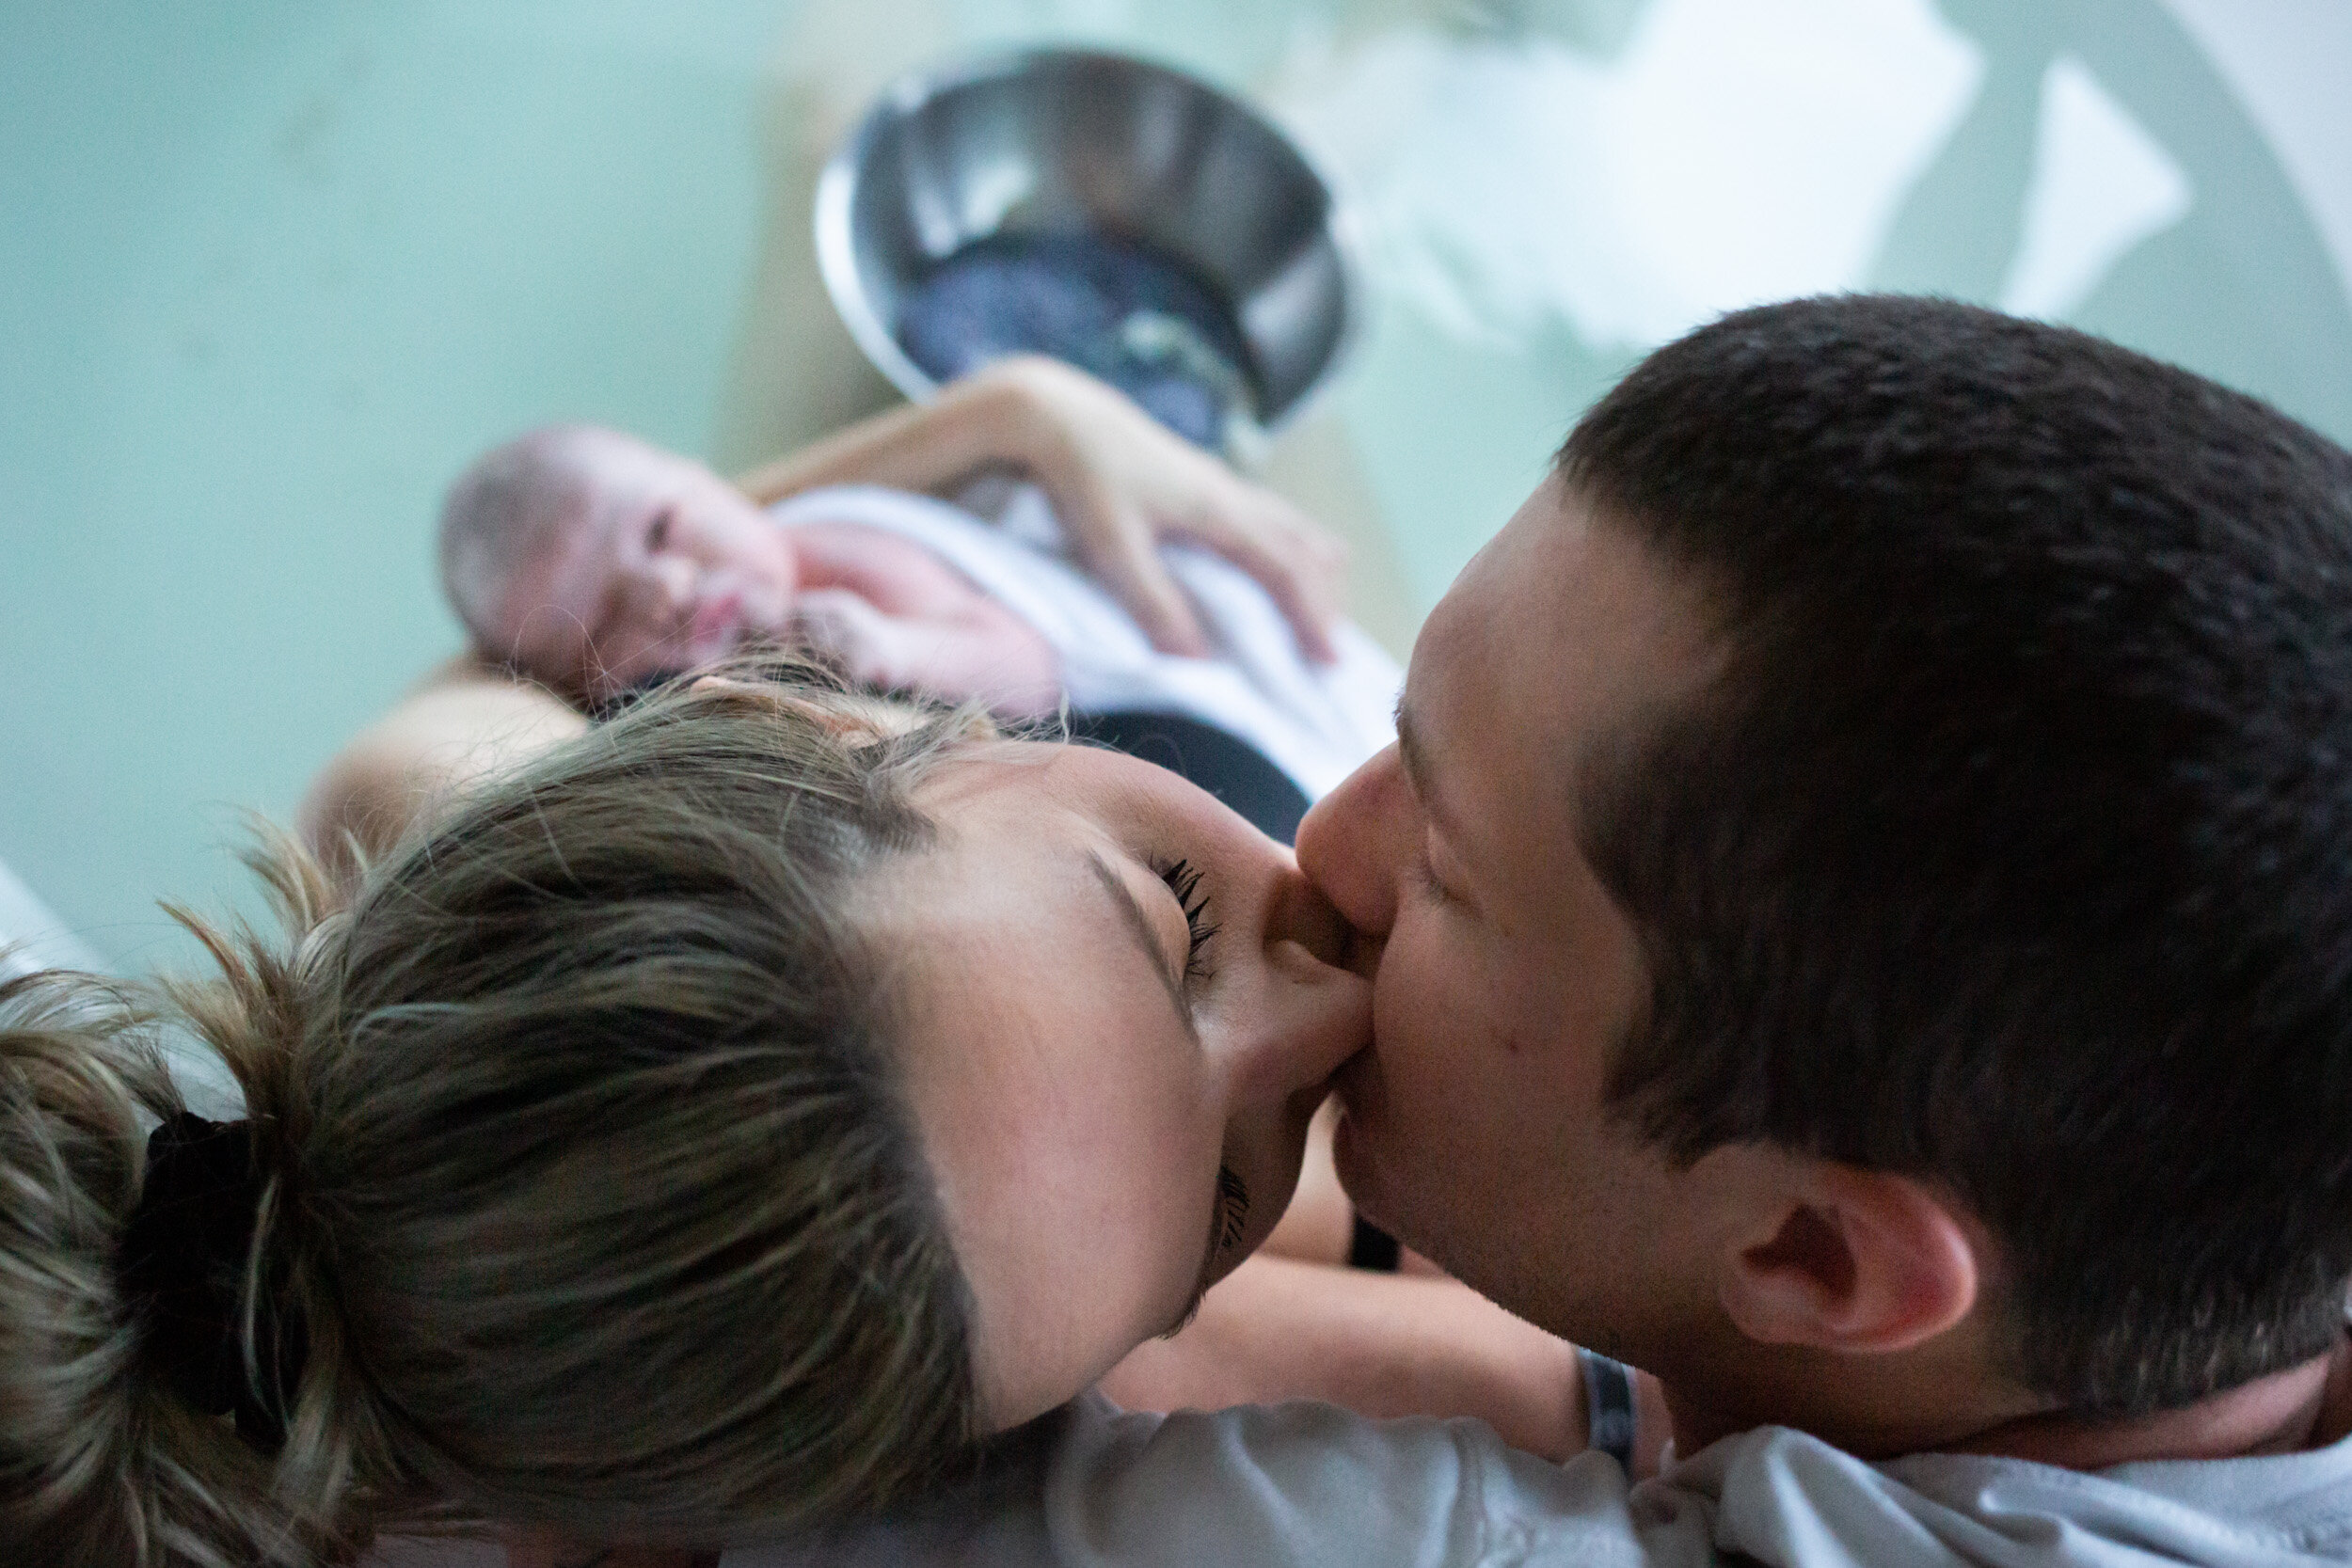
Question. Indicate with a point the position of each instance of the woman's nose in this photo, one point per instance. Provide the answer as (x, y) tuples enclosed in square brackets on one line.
[(1350, 844), (1314, 1017), (1302, 912)]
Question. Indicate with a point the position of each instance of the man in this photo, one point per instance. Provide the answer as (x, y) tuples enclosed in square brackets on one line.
[(1858, 933)]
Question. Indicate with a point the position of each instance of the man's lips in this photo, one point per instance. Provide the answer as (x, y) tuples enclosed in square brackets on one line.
[(1349, 1074)]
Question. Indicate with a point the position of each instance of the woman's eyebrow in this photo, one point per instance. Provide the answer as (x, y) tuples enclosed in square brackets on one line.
[(1139, 926)]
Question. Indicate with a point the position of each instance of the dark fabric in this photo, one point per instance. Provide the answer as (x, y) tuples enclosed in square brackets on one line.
[(1226, 768), (185, 1255), (1373, 1248), (1608, 1405), (1124, 311)]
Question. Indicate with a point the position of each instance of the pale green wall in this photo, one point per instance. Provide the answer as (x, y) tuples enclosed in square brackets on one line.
[(275, 270)]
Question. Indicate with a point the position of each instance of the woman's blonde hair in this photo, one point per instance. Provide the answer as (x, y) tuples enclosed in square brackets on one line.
[(587, 1174)]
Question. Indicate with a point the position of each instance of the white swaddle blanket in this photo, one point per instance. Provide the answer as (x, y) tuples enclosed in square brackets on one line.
[(1314, 723)]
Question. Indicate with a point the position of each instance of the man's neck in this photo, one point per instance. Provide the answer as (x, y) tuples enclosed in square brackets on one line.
[(2304, 1406)]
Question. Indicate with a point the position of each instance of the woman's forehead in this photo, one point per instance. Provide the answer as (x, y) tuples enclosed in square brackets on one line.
[(1003, 764), (1011, 804), (1016, 959)]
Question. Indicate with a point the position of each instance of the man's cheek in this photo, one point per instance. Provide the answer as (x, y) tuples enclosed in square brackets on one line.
[(1420, 978)]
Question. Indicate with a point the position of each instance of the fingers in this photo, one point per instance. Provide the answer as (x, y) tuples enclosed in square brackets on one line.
[(843, 628), (1123, 485), (1139, 580), (1119, 547), (1301, 566)]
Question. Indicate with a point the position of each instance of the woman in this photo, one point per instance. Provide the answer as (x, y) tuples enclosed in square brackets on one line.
[(725, 1124)]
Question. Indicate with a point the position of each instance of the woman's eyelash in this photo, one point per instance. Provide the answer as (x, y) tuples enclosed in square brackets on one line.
[(1184, 882), (1232, 1208)]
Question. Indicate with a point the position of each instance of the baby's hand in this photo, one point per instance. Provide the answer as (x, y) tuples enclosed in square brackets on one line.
[(988, 654), (865, 644)]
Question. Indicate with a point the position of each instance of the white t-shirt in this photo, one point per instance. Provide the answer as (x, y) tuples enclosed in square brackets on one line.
[(1310, 1484)]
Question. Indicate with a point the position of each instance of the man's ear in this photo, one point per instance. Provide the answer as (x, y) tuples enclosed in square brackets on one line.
[(1842, 1258)]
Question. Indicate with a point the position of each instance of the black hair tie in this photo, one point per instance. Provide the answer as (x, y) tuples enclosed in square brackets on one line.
[(183, 1261)]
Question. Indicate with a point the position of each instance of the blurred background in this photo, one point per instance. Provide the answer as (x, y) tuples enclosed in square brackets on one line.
[(277, 270)]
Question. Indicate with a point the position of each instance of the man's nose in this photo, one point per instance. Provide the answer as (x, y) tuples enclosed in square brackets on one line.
[(1348, 844)]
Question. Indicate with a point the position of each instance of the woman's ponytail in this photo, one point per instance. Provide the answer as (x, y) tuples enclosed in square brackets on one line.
[(575, 1184), (155, 1309), (96, 1466)]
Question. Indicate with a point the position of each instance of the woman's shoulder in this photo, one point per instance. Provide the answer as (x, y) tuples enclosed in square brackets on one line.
[(465, 720)]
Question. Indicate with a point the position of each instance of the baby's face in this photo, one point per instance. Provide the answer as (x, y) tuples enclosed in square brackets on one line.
[(659, 566)]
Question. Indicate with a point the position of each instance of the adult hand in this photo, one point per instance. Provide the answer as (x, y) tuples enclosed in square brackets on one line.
[(1123, 485)]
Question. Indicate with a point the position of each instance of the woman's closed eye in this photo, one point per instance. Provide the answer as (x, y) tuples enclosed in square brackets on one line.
[(1184, 884)]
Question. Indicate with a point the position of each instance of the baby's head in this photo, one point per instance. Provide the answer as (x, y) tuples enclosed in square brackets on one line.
[(587, 559)]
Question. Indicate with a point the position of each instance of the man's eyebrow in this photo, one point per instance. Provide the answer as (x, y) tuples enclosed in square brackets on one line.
[(1139, 926)]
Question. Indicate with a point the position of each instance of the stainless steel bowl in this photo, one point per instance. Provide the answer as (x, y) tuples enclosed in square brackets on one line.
[(1060, 141)]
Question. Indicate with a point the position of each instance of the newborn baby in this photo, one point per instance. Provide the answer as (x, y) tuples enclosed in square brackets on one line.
[(588, 561), (593, 562)]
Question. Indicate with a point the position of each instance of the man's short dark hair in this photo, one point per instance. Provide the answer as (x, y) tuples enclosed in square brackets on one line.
[(2012, 850)]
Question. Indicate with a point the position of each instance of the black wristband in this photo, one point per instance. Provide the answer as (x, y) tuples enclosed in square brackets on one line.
[(1608, 1405)]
